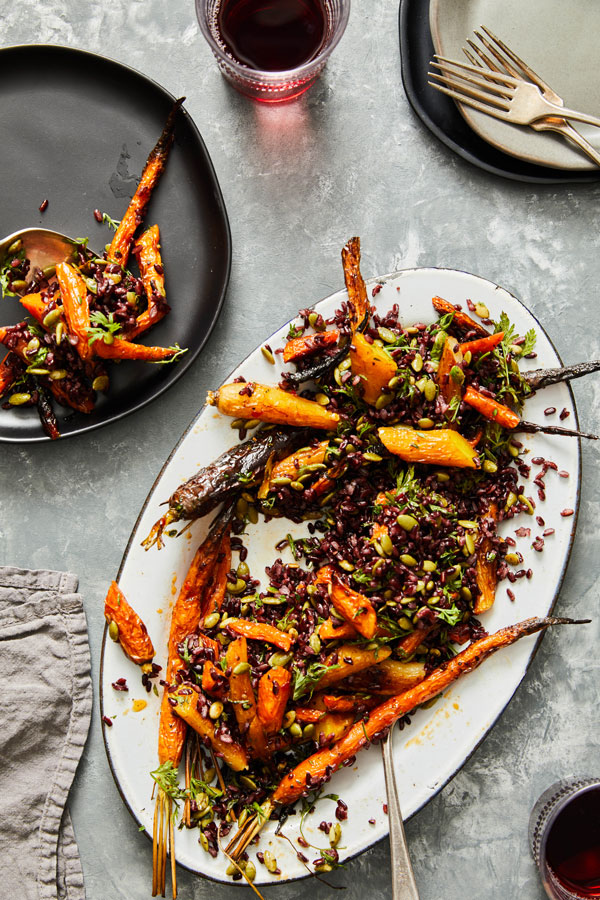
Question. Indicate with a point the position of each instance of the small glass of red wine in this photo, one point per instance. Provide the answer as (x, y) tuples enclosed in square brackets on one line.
[(564, 836), (272, 50)]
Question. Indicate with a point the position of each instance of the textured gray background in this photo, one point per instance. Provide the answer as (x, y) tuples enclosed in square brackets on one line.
[(348, 158)]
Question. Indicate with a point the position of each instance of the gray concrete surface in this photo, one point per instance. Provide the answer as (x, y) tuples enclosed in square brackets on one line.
[(348, 158)]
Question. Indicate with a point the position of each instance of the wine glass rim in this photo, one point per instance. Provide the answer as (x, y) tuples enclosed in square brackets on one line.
[(559, 807), (274, 76)]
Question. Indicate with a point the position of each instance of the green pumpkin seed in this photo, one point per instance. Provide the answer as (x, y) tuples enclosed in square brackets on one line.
[(442, 476), (203, 841), (308, 731), (468, 356), (407, 522), (512, 559), (335, 834), (209, 775), (241, 668), (243, 569), (514, 451), (314, 642), (237, 587), (281, 481), (457, 375), (52, 317), (32, 346), (58, 374), (510, 500), (489, 466), (212, 620), (469, 544), (429, 566), (296, 486), (131, 298), (14, 247), (405, 623), (323, 868), (372, 457), (91, 285), (313, 319), (408, 560), (252, 514), (346, 566), (231, 869), (482, 311), (296, 730), (386, 544), (252, 423), (250, 870), (60, 331), (383, 400), (289, 718), (417, 363), (18, 399), (322, 399), (113, 631), (247, 782), (393, 382), (101, 383), (438, 344), (425, 423), (216, 709), (267, 355), (466, 594), (19, 285), (523, 499), (237, 424), (430, 390), (387, 335), (280, 659)]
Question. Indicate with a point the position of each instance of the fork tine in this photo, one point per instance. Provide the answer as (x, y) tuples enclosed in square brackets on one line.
[(503, 60), (507, 81), (527, 70), (463, 90), (495, 92), (470, 101), (485, 59)]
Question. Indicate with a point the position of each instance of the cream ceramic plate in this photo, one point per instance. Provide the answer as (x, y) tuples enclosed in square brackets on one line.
[(439, 740), (558, 40)]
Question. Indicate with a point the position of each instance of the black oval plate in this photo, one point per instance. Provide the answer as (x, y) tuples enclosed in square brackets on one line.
[(77, 129), (440, 115)]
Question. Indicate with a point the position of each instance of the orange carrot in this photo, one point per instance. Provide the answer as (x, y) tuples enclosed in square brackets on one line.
[(126, 627), (440, 446), (313, 771), (486, 570), (308, 715), (450, 376), (268, 403), (121, 349), (307, 344), (348, 702), (257, 631), (482, 345), (184, 620), (355, 608), (274, 689), (218, 583), (308, 456), (491, 409), (241, 694), (329, 632), (233, 753), (73, 292), (213, 679), (155, 164), (355, 285), (373, 365), (147, 251), (412, 641), (461, 320), (35, 306)]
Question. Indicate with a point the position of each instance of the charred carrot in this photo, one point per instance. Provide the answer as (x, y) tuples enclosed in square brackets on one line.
[(291, 465), (271, 404), (373, 365), (347, 703), (35, 306), (329, 632), (356, 609), (314, 770), (214, 680), (241, 694), (357, 292), (121, 349), (186, 708), (73, 293), (155, 164), (274, 689), (218, 582), (147, 251), (482, 345), (257, 631), (440, 447), (486, 568), (461, 320), (409, 644), (9, 370), (309, 344), (126, 628), (450, 375), (390, 677), (307, 715), (491, 409)]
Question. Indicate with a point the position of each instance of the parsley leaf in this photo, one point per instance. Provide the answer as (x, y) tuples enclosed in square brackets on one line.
[(305, 683), (102, 327)]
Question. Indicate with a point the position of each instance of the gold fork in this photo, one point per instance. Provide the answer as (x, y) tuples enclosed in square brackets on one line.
[(509, 62)]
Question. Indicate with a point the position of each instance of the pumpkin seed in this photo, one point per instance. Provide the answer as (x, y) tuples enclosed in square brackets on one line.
[(238, 423), (345, 364), (408, 560), (131, 298), (247, 782), (308, 731), (417, 363), (407, 522), (346, 566), (58, 374), (469, 544), (510, 500), (91, 285), (59, 333), (442, 476), (289, 718), (468, 356), (429, 565), (335, 834), (512, 559), (312, 319), (457, 375), (405, 623), (523, 499), (252, 423), (113, 630), (425, 423), (253, 514), (216, 709), (19, 399), (231, 869), (489, 466), (237, 587), (243, 569), (324, 868), (209, 775), (296, 729), (514, 451), (372, 457), (438, 344), (101, 383), (250, 870), (270, 861), (37, 370), (32, 346), (280, 659), (482, 311), (466, 594), (386, 544), (386, 335), (52, 317), (241, 668), (383, 400), (322, 399), (267, 355), (14, 247), (393, 382), (203, 841), (430, 390), (212, 620)]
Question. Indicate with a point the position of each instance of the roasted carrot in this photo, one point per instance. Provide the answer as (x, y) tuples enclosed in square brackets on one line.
[(120, 349), (373, 365), (147, 252), (331, 727), (389, 677), (440, 447), (270, 404), (409, 644), (450, 375), (307, 456), (315, 769), (308, 715), (355, 285), (355, 608), (214, 680), (491, 409), (274, 689), (309, 344), (486, 568), (184, 620), (217, 586), (258, 631), (73, 293), (327, 631), (233, 753), (35, 306), (241, 694), (349, 659), (461, 320), (126, 627), (482, 345), (121, 243), (9, 370), (349, 703)]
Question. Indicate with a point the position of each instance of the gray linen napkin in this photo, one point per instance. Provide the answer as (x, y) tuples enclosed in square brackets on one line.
[(45, 709)]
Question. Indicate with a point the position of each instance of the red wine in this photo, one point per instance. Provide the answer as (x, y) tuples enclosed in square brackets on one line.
[(272, 35), (573, 844)]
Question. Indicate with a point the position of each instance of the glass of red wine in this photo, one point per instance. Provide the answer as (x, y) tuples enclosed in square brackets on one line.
[(564, 836), (272, 50)]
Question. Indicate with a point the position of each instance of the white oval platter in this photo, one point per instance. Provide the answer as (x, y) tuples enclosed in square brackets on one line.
[(439, 740)]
